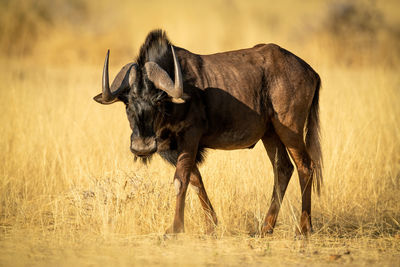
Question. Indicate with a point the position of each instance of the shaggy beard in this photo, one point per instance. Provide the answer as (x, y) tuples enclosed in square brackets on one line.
[(144, 160)]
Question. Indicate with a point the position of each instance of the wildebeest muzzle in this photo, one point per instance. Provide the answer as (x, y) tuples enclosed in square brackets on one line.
[(143, 147)]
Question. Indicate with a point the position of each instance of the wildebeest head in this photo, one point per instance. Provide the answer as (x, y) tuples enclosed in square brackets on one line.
[(147, 91)]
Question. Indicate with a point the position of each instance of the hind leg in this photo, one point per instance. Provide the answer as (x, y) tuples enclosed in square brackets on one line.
[(283, 170), (197, 183), (304, 168), (294, 143)]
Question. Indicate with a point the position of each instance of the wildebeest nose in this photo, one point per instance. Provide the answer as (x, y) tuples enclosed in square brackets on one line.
[(143, 148)]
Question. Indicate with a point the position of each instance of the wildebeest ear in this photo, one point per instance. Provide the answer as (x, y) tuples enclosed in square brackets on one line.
[(99, 99)]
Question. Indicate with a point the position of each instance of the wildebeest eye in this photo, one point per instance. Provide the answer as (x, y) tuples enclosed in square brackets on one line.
[(123, 98)]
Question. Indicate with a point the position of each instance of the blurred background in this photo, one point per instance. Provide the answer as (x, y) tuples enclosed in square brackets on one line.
[(67, 32)]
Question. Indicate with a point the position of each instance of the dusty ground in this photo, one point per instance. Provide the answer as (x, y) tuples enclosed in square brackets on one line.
[(200, 250)]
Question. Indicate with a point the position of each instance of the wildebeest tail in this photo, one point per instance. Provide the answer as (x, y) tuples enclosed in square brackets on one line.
[(313, 141)]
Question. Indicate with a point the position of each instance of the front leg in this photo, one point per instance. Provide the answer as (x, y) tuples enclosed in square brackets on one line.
[(184, 166), (197, 182)]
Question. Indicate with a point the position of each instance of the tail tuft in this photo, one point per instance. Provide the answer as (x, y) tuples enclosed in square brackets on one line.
[(312, 140)]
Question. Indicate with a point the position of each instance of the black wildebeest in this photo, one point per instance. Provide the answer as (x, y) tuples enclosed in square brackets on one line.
[(179, 103)]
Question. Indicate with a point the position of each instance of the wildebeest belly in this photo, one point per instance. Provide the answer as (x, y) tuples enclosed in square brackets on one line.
[(235, 118), (233, 132)]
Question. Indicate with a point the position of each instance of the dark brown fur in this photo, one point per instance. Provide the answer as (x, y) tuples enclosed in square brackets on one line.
[(234, 99)]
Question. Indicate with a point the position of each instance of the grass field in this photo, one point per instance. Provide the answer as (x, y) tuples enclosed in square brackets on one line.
[(71, 194)]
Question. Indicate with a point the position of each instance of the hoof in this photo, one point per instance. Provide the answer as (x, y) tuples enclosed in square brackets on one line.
[(267, 231), (211, 227), (172, 230), (305, 231), (305, 226), (211, 231)]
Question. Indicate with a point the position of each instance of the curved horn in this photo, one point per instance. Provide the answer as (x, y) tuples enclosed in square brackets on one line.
[(124, 79), (178, 75), (107, 95), (163, 81)]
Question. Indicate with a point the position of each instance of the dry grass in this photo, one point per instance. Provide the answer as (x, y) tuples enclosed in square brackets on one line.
[(70, 192)]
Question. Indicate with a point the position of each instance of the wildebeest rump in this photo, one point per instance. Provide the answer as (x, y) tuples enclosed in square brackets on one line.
[(227, 100)]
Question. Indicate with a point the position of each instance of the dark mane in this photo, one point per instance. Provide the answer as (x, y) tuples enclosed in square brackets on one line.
[(155, 48)]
